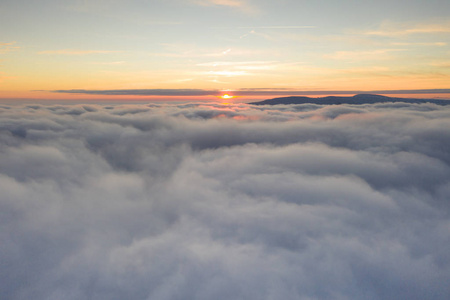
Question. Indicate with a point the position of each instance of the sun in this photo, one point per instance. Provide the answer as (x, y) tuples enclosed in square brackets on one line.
[(226, 96)]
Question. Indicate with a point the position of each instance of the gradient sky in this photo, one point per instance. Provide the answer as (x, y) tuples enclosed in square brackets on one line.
[(212, 45)]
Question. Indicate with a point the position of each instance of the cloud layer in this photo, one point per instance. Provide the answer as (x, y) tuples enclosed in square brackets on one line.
[(204, 201)]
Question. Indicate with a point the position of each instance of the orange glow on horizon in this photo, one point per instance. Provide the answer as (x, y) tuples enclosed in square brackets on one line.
[(227, 99), (226, 96)]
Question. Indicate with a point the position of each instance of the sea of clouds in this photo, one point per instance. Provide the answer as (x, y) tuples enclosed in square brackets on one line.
[(210, 201)]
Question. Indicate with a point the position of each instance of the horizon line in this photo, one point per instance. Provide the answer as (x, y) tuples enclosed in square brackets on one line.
[(239, 92)]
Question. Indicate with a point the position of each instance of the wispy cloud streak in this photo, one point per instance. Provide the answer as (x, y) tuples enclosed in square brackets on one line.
[(242, 5), (76, 52), (395, 29), (8, 47), (143, 92)]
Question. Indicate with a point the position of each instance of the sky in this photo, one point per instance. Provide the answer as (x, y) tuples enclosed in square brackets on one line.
[(175, 201), (49, 48)]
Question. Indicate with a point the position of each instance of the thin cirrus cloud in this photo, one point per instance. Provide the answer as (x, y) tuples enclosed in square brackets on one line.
[(76, 52), (245, 66), (179, 51), (242, 5), (363, 55), (269, 27), (143, 92), (443, 64), (232, 3), (111, 63), (228, 73), (279, 27), (4, 77), (8, 47), (210, 201), (246, 7), (234, 64), (391, 29), (438, 44)]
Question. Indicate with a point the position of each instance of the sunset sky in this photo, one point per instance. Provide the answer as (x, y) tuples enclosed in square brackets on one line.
[(137, 161), (175, 49)]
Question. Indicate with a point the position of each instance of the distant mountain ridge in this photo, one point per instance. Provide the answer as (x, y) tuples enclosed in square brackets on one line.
[(356, 99)]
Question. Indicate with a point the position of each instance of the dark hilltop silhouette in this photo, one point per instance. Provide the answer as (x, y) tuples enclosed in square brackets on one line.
[(357, 99)]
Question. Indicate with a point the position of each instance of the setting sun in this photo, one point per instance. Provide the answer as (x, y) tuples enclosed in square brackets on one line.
[(226, 96)]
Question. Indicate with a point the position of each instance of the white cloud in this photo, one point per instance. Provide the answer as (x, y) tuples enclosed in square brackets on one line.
[(210, 201)]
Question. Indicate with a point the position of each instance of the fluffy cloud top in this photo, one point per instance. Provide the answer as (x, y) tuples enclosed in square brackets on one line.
[(200, 201)]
